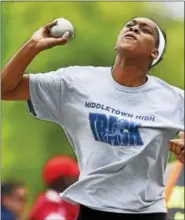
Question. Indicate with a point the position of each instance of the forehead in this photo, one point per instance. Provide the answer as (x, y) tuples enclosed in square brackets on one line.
[(146, 21)]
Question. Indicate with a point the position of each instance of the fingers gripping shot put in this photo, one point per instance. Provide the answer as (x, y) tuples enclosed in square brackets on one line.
[(119, 119), (62, 26)]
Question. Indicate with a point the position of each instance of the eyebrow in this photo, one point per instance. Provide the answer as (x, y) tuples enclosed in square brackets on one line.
[(143, 23)]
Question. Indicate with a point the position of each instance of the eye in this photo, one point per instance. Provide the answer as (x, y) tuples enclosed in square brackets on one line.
[(146, 31), (129, 25)]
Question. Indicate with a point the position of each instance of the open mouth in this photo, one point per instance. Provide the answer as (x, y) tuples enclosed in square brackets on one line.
[(130, 36)]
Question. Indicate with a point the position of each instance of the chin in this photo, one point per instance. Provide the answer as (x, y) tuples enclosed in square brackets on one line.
[(125, 47)]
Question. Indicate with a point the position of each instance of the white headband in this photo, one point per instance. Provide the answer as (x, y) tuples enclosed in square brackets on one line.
[(161, 46)]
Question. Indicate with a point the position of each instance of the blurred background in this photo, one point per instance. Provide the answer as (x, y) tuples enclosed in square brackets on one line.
[(26, 142)]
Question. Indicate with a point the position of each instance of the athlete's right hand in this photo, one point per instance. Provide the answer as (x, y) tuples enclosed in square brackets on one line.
[(43, 40)]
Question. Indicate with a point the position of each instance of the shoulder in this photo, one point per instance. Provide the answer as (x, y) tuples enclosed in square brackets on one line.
[(77, 71), (69, 73), (165, 87), (75, 75)]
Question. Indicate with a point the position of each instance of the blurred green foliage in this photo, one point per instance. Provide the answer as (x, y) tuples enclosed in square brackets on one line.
[(28, 143)]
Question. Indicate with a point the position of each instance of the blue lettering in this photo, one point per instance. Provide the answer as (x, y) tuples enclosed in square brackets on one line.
[(112, 137), (115, 131), (101, 126), (98, 123), (93, 119), (125, 131), (135, 135)]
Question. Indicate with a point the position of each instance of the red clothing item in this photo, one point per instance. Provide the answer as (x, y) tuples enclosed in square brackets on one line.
[(50, 206)]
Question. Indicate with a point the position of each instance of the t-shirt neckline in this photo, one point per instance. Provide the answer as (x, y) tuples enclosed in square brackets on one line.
[(130, 89)]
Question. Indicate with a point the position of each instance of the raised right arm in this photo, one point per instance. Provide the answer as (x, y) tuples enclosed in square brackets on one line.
[(14, 83)]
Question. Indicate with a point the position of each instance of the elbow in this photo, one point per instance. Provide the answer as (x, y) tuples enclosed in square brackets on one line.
[(6, 96), (2, 91), (3, 95), (4, 87), (5, 90)]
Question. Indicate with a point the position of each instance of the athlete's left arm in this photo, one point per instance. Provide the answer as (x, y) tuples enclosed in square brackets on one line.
[(177, 147)]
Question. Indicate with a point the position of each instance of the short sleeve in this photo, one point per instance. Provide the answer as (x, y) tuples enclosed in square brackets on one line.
[(180, 106), (47, 92), (178, 103)]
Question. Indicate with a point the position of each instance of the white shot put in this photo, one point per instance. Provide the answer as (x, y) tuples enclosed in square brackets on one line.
[(61, 27)]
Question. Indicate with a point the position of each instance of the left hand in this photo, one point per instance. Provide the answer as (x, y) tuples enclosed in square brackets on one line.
[(177, 147)]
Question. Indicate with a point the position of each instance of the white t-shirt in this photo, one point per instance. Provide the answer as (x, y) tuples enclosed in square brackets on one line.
[(119, 134)]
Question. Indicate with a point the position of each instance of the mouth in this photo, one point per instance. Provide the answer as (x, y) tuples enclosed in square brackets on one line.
[(130, 36)]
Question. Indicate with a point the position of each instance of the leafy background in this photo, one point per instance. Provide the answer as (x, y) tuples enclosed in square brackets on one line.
[(26, 142)]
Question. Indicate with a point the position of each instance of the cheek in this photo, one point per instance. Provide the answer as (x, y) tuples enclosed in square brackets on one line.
[(120, 36), (148, 45), (118, 40)]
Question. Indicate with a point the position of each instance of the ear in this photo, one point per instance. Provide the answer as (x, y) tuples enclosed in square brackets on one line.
[(154, 54)]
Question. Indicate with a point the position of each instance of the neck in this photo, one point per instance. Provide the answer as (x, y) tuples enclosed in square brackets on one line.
[(129, 72)]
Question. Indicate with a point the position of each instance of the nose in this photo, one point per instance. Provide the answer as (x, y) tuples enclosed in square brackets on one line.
[(135, 29)]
